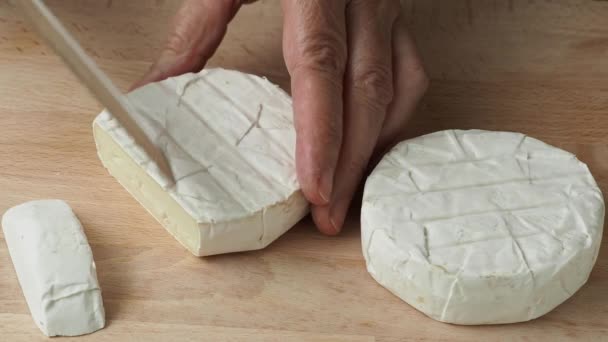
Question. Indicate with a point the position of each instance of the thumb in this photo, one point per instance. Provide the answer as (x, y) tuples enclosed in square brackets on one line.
[(197, 29)]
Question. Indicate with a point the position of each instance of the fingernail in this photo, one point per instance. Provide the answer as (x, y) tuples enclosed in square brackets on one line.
[(334, 225), (326, 183), (337, 219)]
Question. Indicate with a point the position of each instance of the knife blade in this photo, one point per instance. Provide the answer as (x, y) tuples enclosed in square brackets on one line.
[(54, 33)]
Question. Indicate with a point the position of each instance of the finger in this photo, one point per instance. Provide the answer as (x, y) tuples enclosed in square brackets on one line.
[(369, 90), (197, 29), (314, 44), (410, 83)]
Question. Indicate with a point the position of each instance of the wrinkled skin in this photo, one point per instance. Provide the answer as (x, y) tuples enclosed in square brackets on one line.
[(356, 77)]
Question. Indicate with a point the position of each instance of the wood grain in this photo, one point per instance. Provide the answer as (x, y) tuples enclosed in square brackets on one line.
[(539, 67), (52, 31)]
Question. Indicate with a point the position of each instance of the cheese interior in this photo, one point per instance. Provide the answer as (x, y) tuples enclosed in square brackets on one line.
[(147, 191)]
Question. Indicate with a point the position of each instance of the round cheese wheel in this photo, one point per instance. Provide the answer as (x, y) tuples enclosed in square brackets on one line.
[(229, 140), (479, 227)]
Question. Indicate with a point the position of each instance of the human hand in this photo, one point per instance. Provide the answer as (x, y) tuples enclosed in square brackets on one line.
[(356, 77)]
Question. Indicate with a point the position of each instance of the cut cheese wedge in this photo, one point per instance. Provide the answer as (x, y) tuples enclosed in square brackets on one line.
[(479, 227), (230, 141), (55, 267)]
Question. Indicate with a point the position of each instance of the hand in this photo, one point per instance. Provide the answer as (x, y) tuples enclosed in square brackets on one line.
[(356, 77)]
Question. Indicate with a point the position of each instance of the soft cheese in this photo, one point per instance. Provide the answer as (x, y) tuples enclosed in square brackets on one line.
[(479, 227), (230, 141), (55, 267)]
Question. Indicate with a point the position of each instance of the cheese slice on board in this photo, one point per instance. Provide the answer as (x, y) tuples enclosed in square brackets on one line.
[(229, 139), (55, 267), (479, 227)]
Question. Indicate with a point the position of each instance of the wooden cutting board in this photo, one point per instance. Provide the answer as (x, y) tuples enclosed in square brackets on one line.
[(539, 67)]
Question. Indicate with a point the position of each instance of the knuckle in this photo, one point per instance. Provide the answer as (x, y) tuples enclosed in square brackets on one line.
[(324, 53), (384, 11), (177, 43), (374, 83), (185, 26), (419, 79)]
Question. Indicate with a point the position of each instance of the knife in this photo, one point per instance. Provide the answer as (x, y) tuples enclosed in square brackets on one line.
[(55, 35)]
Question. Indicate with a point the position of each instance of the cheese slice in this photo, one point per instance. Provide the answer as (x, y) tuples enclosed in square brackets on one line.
[(230, 141), (55, 267), (479, 227)]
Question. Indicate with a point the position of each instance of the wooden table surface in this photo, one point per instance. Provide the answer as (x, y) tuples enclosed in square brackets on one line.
[(539, 67)]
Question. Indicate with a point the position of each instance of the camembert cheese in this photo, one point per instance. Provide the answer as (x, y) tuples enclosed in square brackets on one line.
[(479, 227), (55, 267), (230, 141)]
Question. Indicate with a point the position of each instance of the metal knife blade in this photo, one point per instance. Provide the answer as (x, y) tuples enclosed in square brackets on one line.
[(56, 36)]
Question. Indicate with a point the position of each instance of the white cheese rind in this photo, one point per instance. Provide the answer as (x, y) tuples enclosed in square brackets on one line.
[(55, 267), (230, 142), (479, 227)]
